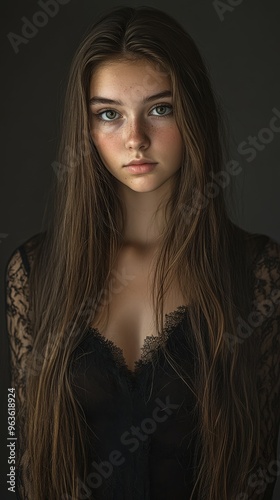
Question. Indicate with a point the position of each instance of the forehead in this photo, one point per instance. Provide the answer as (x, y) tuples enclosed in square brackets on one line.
[(126, 75)]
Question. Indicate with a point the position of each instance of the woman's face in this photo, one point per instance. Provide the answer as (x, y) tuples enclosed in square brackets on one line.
[(130, 121)]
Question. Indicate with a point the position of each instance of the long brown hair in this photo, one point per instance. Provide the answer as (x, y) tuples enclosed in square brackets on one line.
[(202, 248)]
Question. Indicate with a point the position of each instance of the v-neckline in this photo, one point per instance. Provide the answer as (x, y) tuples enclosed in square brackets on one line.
[(150, 345)]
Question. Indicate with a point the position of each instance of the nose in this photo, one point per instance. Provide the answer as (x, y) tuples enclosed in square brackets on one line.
[(136, 135)]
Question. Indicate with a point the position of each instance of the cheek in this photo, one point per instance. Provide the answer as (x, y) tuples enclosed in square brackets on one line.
[(105, 143), (172, 140)]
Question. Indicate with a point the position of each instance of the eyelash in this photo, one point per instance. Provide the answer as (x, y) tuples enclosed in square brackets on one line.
[(98, 115)]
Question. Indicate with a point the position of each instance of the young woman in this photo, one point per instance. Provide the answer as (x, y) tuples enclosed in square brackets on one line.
[(143, 323)]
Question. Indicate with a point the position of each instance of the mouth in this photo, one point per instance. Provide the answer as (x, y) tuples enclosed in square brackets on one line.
[(139, 161), (140, 168)]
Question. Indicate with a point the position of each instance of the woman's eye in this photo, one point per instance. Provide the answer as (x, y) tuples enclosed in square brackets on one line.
[(109, 113), (162, 108)]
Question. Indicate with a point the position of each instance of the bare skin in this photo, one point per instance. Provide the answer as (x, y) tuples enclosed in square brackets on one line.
[(124, 132)]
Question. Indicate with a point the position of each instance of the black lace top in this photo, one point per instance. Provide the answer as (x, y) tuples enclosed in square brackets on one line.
[(141, 424)]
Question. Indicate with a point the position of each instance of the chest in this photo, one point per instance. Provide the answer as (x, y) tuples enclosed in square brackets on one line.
[(125, 314)]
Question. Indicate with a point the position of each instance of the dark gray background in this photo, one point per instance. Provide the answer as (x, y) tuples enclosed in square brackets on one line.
[(242, 52)]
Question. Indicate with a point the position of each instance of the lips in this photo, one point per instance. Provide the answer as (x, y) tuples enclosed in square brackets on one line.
[(141, 168), (141, 161)]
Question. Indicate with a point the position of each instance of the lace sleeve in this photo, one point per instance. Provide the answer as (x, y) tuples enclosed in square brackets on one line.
[(18, 322), (20, 342), (267, 324)]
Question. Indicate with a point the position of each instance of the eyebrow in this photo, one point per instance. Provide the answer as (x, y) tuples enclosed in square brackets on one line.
[(104, 100)]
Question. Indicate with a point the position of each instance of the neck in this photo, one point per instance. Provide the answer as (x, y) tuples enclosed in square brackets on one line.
[(144, 220)]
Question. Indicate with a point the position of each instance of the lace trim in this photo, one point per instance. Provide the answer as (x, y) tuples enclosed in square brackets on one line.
[(152, 343)]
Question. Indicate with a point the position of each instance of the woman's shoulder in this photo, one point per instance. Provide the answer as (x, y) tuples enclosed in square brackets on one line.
[(263, 255), (21, 258), (265, 252), (260, 246)]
